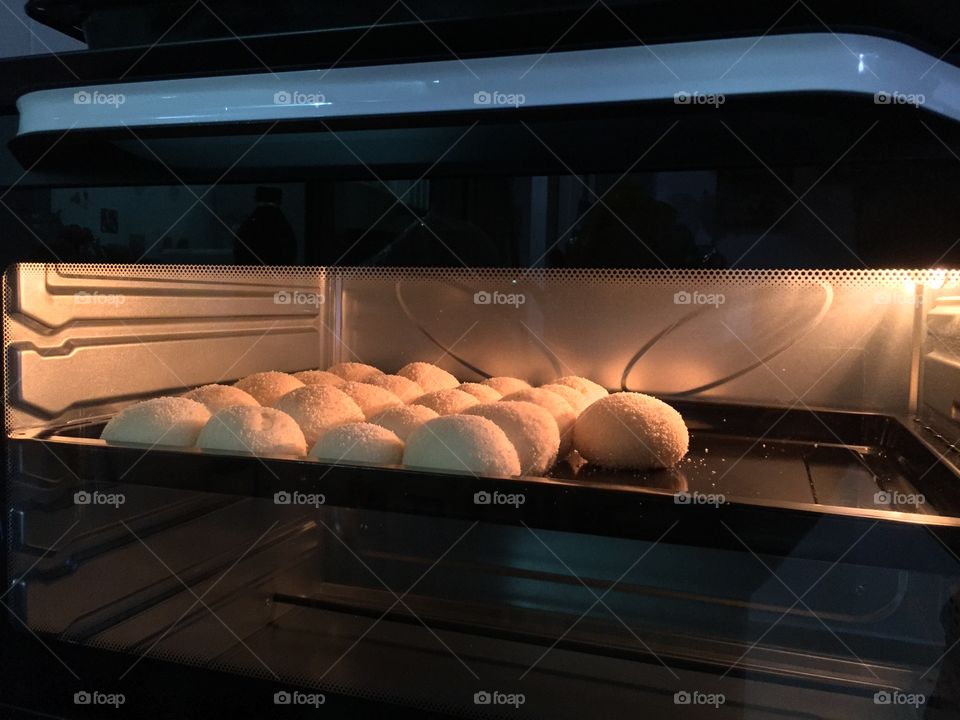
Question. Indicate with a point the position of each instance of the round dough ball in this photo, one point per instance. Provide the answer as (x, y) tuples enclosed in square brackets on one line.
[(592, 390), (483, 393), (631, 430), (258, 430), (268, 387), (404, 419), (354, 371), (506, 385), (317, 408), (447, 402), (174, 421), (404, 388), (531, 429), (578, 401), (563, 414), (318, 377), (370, 398), (429, 377), (218, 397), (359, 442), (462, 443)]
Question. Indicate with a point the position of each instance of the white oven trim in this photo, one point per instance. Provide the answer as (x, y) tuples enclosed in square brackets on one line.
[(691, 71)]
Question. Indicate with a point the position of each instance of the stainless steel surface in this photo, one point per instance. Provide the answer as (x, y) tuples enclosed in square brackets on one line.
[(84, 339)]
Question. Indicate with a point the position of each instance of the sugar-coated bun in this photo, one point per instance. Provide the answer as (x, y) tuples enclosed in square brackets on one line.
[(218, 397), (483, 393), (447, 402), (172, 421), (317, 408), (506, 385), (404, 419), (318, 377), (404, 388), (354, 371), (370, 398), (268, 387), (359, 442), (592, 390), (259, 430), (631, 430), (429, 377), (462, 443), (578, 401), (531, 429), (562, 412)]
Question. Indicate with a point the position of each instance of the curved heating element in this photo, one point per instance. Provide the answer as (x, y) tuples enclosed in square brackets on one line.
[(688, 73), (761, 361)]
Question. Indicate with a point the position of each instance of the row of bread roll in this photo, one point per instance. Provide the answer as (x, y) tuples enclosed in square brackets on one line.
[(627, 430)]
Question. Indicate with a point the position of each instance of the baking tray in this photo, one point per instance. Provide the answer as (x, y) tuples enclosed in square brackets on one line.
[(758, 476)]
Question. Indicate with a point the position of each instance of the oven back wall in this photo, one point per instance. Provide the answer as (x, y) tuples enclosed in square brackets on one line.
[(82, 340)]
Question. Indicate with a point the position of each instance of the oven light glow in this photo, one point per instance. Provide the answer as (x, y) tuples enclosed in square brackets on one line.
[(937, 279), (909, 285)]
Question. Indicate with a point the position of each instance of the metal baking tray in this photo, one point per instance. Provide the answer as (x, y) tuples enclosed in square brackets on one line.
[(759, 476)]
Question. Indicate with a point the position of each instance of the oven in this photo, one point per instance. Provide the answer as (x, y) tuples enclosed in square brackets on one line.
[(758, 229)]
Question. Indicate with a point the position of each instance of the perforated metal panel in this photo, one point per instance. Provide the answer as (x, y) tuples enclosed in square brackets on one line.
[(82, 339)]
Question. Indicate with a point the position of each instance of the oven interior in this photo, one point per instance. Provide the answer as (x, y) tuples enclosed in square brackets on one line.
[(822, 410)]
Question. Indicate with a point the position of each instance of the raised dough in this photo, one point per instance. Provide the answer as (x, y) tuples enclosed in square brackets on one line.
[(318, 377), (428, 376), (404, 419), (359, 442), (592, 390), (370, 398), (317, 408), (218, 397), (506, 385), (172, 421), (531, 429), (268, 387), (259, 430), (561, 410), (447, 402), (404, 388), (631, 430), (483, 393), (462, 443), (578, 401), (354, 371)]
